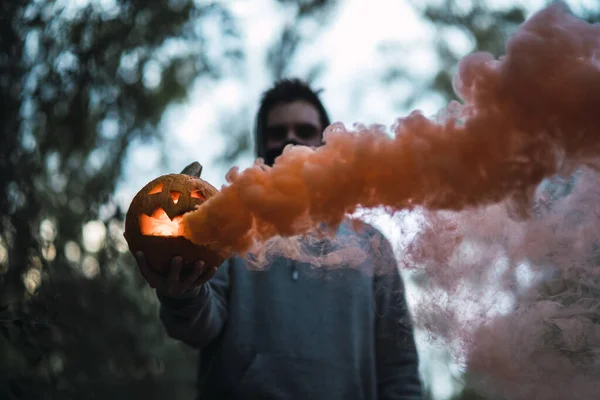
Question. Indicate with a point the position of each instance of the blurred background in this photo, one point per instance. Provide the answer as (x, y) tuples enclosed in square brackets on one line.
[(99, 97)]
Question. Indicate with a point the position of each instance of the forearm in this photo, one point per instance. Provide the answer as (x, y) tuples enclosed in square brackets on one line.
[(195, 318)]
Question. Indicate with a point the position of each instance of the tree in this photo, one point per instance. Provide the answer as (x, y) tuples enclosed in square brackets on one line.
[(78, 84), (479, 26)]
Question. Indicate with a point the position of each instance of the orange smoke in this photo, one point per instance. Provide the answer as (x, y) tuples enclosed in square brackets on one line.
[(531, 114), (516, 303)]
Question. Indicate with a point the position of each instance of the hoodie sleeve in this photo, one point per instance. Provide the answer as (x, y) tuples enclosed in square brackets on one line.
[(197, 317), (396, 354)]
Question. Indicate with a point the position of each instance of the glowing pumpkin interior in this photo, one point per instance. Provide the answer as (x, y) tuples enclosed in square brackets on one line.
[(159, 224)]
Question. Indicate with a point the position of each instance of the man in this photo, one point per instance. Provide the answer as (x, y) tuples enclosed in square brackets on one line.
[(293, 331)]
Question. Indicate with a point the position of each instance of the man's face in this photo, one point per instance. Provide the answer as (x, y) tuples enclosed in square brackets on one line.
[(295, 123)]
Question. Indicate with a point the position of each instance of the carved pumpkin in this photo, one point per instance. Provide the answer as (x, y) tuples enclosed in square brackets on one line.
[(153, 222)]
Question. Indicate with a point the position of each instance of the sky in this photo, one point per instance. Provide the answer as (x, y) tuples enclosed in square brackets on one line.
[(352, 94)]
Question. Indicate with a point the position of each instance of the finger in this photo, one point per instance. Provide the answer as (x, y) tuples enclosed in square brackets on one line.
[(173, 282), (153, 278), (196, 272), (140, 259), (206, 276)]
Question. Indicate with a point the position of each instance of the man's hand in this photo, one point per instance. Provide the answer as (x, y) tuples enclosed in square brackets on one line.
[(174, 285)]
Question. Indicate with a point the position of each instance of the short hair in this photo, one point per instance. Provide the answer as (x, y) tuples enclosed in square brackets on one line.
[(286, 91)]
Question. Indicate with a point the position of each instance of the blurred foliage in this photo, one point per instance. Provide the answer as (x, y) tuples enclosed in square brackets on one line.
[(460, 28), (79, 81)]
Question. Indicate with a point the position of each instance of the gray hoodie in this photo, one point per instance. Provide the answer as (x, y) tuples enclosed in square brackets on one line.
[(295, 331)]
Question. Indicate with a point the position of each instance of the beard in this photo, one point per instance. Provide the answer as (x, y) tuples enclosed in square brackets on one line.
[(272, 154)]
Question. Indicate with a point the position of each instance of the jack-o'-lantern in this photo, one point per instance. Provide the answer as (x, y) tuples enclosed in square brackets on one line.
[(153, 222)]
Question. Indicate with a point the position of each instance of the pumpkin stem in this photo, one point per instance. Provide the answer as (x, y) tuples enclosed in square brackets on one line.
[(194, 169)]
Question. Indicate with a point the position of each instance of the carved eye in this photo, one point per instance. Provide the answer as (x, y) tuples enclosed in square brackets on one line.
[(197, 195), (156, 189), (175, 196)]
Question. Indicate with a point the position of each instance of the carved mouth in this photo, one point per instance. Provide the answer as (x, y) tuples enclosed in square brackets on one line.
[(159, 224)]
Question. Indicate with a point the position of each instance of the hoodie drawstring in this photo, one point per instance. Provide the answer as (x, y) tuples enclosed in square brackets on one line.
[(294, 271)]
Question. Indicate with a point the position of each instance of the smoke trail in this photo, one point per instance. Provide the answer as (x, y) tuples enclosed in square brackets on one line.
[(529, 115)]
